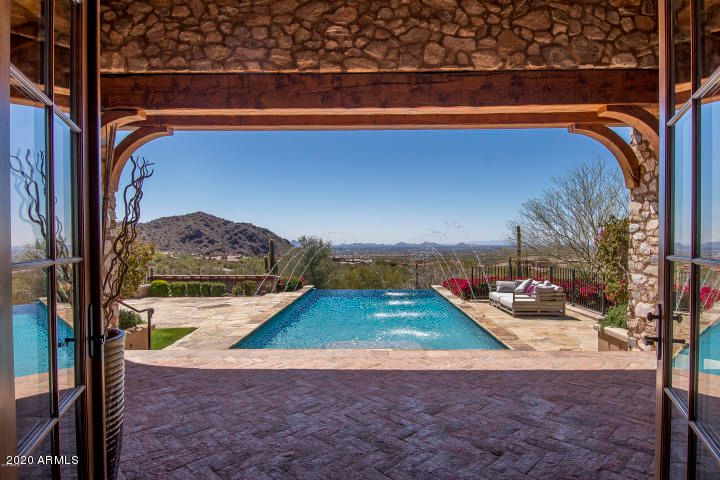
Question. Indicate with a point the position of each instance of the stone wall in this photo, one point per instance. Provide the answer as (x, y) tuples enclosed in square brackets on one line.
[(391, 35), (644, 240)]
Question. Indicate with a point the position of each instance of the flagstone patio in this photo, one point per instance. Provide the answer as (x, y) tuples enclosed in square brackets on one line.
[(347, 414)]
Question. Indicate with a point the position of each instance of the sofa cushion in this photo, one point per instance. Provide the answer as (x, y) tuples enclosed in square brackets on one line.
[(522, 288), (495, 296), (505, 287)]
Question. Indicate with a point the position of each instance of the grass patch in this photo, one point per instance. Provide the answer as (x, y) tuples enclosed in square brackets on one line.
[(162, 337)]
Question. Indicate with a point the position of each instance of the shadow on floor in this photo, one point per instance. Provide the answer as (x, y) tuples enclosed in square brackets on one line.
[(325, 424)]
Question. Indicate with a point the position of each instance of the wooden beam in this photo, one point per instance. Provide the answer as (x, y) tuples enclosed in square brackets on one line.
[(372, 121), (638, 118), (453, 92), (127, 147), (120, 118), (622, 152)]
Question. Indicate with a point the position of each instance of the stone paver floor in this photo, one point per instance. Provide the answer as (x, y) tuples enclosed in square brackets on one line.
[(346, 414)]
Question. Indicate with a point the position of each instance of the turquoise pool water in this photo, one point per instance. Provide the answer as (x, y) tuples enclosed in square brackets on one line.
[(397, 319), (30, 340), (708, 352)]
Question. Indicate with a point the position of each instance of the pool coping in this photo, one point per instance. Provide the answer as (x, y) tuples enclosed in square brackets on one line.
[(501, 334)]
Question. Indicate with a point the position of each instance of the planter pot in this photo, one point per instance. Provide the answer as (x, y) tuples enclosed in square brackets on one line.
[(612, 338), (114, 398)]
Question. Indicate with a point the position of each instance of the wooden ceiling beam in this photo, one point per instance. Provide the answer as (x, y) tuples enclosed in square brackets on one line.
[(625, 156), (373, 121), (638, 118), (539, 91)]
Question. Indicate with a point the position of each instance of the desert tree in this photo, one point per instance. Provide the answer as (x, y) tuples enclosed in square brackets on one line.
[(563, 223)]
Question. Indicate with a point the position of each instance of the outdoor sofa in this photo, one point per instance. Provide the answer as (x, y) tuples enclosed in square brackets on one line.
[(528, 297)]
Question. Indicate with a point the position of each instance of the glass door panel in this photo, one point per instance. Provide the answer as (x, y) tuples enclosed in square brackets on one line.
[(31, 350), (710, 176), (27, 39), (66, 307), (681, 51), (682, 186), (64, 177), (28, 166), (678, 445), (680, 328), (709, 351)]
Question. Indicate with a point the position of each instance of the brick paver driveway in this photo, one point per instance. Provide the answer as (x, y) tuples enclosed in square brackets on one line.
[(399, 415)]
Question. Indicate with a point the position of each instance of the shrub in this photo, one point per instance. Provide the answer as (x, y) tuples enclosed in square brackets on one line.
[(293, 284), (194, 289), (217, 289), (129, 319), (246, 288), (159, 288), (615, 317), (205, 289), (178, 289), (238, 290)]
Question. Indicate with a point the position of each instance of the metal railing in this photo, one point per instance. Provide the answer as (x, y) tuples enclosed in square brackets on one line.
[(150, 312), (582, 288)]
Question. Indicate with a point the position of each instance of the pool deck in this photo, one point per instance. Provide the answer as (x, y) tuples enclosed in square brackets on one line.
[(222, 322), (388, 414)]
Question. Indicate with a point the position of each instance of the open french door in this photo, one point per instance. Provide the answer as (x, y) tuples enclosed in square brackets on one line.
[(48, 257), (688, 395)]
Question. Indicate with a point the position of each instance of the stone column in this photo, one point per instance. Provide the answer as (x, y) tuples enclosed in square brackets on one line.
[(644, 240)]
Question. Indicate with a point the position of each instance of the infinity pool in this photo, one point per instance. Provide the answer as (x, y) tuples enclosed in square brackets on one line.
[(396, 319)]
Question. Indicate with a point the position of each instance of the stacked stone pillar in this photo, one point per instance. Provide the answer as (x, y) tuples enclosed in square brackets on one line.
[(644, 242)]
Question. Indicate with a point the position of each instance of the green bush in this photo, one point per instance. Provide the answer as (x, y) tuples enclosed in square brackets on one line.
[(615, 317), (194, 289), (205, 289), (129, 319), (246, 288), (217, 289), (159, 288), (293, 284), (250, 287), (178, 289)]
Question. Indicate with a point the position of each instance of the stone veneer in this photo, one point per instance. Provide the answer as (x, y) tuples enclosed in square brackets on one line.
[(384, 35), (644, 239)]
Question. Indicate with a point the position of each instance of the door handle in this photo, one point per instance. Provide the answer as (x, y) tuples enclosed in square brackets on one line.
[(650, 339)]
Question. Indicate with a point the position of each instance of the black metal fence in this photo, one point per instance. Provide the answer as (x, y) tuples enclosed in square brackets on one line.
[(582, 288)]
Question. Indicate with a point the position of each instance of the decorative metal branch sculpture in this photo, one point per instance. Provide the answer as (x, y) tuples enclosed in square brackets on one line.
[(126, 235), (31, 184)]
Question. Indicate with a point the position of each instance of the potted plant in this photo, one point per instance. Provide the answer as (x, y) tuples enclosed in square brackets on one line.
[(119, 274)]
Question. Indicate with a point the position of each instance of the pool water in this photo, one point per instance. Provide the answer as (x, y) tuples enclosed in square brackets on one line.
[(396, 319), (30, 340), (708, 352)]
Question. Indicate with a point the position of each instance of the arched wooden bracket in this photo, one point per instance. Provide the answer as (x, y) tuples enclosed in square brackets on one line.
[(637, 118), (625, 155), (128, 146), (120, 118)]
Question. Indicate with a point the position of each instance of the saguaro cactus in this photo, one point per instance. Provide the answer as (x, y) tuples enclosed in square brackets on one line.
[(271, 257)]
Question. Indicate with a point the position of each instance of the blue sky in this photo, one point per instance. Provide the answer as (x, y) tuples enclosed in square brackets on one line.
[(361, 186)]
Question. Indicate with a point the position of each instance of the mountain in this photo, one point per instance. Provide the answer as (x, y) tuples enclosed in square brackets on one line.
[(200, 233)]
